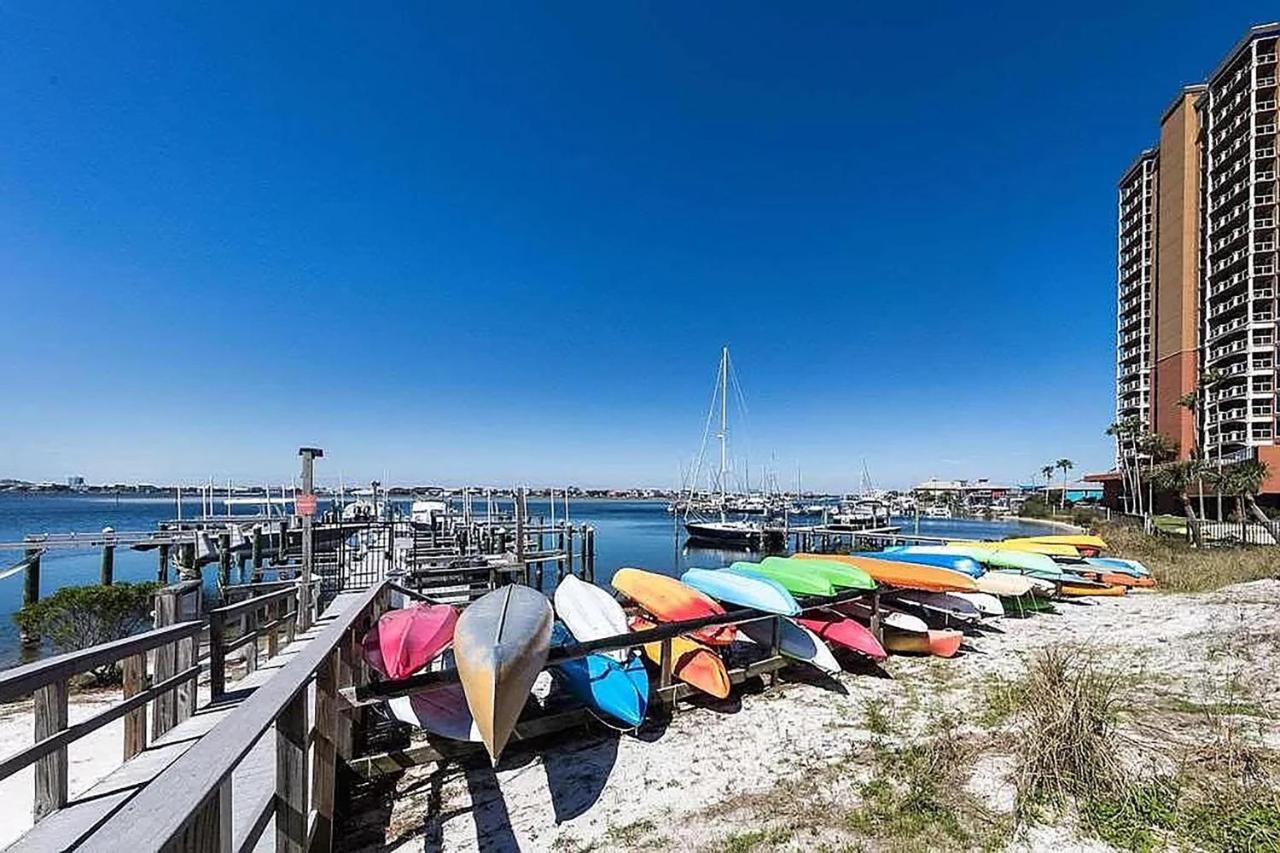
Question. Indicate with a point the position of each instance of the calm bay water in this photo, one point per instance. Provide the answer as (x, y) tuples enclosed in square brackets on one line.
[(628, 533)]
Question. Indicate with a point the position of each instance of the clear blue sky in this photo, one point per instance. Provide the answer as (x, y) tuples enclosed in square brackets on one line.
[(453, 242)]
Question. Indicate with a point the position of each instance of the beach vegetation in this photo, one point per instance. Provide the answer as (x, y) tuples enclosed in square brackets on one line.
[(77, 617), (1179, 567)]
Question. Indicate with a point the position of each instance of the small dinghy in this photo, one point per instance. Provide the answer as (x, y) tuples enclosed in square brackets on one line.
[(501, 643), (404, 641)]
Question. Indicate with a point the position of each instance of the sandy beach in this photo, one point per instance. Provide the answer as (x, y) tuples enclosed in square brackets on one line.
[(727, 775)]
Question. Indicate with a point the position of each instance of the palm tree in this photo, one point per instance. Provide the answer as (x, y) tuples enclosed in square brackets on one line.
[(1178, 477), (1066, 465), (1247, 478), (1047, 471)]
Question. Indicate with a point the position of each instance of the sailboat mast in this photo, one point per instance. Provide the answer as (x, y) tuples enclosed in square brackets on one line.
[(724, 423)]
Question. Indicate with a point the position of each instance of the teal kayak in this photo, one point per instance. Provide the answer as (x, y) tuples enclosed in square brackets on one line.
[(758, 592)]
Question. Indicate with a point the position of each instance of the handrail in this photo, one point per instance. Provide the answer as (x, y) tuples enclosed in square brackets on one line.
[(21, 680), (167, 807), (230, 611)]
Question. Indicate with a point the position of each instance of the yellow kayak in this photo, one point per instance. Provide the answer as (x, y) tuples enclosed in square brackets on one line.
[(1049, 549), (1082, 542)]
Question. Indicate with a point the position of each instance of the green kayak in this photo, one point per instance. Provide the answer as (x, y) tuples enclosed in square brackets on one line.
[(1024, 605), (797, 581), (837, 572)]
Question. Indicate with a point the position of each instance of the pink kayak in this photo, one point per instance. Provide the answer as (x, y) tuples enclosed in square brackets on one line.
[(837, 629), (406, 640)]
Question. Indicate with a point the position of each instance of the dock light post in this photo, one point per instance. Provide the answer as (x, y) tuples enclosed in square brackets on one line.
[(305, 505)]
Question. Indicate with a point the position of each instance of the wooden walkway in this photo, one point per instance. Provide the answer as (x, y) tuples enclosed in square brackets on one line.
[(255, 777)]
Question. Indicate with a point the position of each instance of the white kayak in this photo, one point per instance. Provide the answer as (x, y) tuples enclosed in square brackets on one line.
[(943, 602), (590, 613), (794, 641), (889, 618), (1005, 584), (987, 604)]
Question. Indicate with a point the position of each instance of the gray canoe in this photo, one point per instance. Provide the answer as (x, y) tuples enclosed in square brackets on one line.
[(500, 645)]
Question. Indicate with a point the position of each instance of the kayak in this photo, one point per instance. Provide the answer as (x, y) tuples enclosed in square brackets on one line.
[(1049, 549), (691, 662), (943, 644), (1084, 589), (615, 689), (500, 645), (758, 593), (843, 631), (590, 613), (797, 581), (839, 573), (954, 562), (1006, 584), (1116, 564), (668, 600), (794, 641), (987, 604), (907, 574), (1113, 578), (1023, 605), (950, 603), (889, 618), (403, 641), (1082, 542), (1044, 587), (963, 559), (442, 712)]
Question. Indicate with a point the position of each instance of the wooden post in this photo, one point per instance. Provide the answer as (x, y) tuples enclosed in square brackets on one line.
[(251, 648), (217, 656), (185, 693), (187, 562), (165, 666), (134, 669), (344, 732), (324, 777), (162, 567), (875, 617), (51, 771), (273, 636), (107, 574), (31, 590), (520, 510), (775, 642), (292, 802), (257, 554), (224, 561), (309, 456), (664, 670)]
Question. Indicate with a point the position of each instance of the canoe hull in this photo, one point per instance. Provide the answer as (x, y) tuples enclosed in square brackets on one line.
[(845, 632), (590, 613), (692, 662), (404, 641)]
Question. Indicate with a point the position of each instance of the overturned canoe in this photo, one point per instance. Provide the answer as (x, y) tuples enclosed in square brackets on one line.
[(838, 572), (794, 641), (668, 600), (500, 644), (403, 641), (894, 570), (590, 613), (943, 644), (794, 577), (757, 592), (843, 631), (692, 662)]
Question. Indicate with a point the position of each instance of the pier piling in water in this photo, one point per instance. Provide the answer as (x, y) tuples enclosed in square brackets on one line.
[(31, 590), (107, 573), (162, 567)]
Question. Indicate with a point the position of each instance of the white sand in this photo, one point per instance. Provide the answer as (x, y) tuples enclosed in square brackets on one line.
[(680, 789)]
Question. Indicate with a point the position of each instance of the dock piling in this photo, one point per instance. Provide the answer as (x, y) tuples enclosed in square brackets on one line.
[(31, 589), (107, 573)]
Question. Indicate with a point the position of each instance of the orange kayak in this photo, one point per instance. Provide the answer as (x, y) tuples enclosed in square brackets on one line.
[(668, 600), (943, 644), (1119, 579), (691, 662), (904, 575)]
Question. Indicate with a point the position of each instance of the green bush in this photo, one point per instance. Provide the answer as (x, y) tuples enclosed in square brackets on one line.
[(1035, 507), (77, 617)]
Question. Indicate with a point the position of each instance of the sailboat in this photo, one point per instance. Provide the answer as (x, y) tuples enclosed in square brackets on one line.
[(724, 532)]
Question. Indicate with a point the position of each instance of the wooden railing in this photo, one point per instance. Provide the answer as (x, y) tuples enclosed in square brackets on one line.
[(272, 610), (48, 680), (188, 807)]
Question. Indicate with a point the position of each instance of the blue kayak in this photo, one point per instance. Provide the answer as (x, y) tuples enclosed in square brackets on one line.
[(755, 591), (1115, 564), (615, 689), (954, 562)]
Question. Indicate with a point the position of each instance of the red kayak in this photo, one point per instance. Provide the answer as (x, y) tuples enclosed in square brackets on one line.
[(406, 640), (835, 628)]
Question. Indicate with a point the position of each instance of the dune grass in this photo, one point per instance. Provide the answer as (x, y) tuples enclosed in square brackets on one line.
[(1178, 567)]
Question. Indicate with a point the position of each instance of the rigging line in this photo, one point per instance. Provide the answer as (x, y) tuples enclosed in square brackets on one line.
[(706, 431)]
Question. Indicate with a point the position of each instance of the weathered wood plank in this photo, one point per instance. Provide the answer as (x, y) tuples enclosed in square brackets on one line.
[(23, 680), (217, 656), (134, 670), (51, 771), (292, 802), (324, 779), (185, 694)]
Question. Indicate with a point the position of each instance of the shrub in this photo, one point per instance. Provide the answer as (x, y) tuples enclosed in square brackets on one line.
[(77, 617), (1035, 507)]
